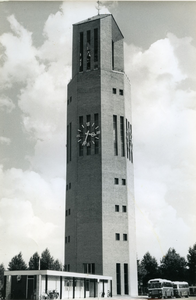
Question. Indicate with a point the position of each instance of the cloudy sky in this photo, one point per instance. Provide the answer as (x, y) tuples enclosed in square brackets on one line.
[(35, 62)]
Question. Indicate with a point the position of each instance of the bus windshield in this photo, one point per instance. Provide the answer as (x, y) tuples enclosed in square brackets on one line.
[(154, 285)]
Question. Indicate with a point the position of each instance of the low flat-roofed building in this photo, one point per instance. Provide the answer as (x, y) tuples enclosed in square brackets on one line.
[(41, 284)]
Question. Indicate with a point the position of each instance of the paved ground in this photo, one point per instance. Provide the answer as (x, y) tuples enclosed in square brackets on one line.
[(130, 298)]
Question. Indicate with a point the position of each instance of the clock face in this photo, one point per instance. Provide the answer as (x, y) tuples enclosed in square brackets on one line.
[(88, 134)]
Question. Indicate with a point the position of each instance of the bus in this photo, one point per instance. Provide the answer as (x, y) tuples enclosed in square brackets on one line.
[(160, 288), (181, 289)]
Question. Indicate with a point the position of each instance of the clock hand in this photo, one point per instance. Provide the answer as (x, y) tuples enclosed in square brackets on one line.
[(93, 134), (87, 133)]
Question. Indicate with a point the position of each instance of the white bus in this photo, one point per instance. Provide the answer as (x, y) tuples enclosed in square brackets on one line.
[(160, 288), (181, 289)]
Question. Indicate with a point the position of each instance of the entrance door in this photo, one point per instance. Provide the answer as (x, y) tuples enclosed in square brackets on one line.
[(30, 287)]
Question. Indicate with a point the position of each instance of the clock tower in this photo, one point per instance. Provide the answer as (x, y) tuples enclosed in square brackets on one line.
[(100, 213)]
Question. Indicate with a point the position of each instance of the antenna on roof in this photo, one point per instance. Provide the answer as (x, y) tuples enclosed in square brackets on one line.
[(98, 6)]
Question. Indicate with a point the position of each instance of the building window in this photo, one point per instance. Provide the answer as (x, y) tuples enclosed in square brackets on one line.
[(112, 55), (88, 54), (122, 136), (121, 92), (124, 208), (129, 141), (116, 180), (67, 268), (126, 281), (70, 138), (96, 48), (115, 135), (89, 268), (123, 181), (114, 91), (118, 279), (81, 133), (70, 185), (70, 100), (81, 52), (67, 143), (117, 208), (117, 236), (124, 237), (69, 211)]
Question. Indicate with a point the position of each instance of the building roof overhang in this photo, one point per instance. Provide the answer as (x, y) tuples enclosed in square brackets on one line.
[(56, 273)]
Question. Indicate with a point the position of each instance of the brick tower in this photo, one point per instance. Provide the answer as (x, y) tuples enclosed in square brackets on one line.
[(100, 214)]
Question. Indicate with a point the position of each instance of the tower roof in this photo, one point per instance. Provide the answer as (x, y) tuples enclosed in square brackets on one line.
[(98, 17)]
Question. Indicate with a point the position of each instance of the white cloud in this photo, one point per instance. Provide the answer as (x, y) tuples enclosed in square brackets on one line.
[(32, 214), (6, 104), (164, 122), (4, 140), (20, 63)]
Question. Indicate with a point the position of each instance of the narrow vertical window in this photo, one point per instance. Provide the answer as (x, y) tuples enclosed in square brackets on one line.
[(116, 180), (88, 124), (124, 208), (118, 280), (117, 236), (70, 138), (116, 208), (126, 284), (123, 181), (124, 237), (81, 134), (115, 135), (96, 48), (129, 142), (96, 140), (81, 51), (67, 143), (122, 136), (88, 50), (127, 139), (131, 145), (112, 55)]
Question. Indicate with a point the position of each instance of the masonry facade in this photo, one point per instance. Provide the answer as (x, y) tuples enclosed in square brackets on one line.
[(100, 213)]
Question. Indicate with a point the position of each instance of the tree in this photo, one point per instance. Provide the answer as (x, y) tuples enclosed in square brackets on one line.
[(173, 266), (149, 268), (191, 257), (46, 261), (34, 262), (57, 266), (17, 263), (2, 269)]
